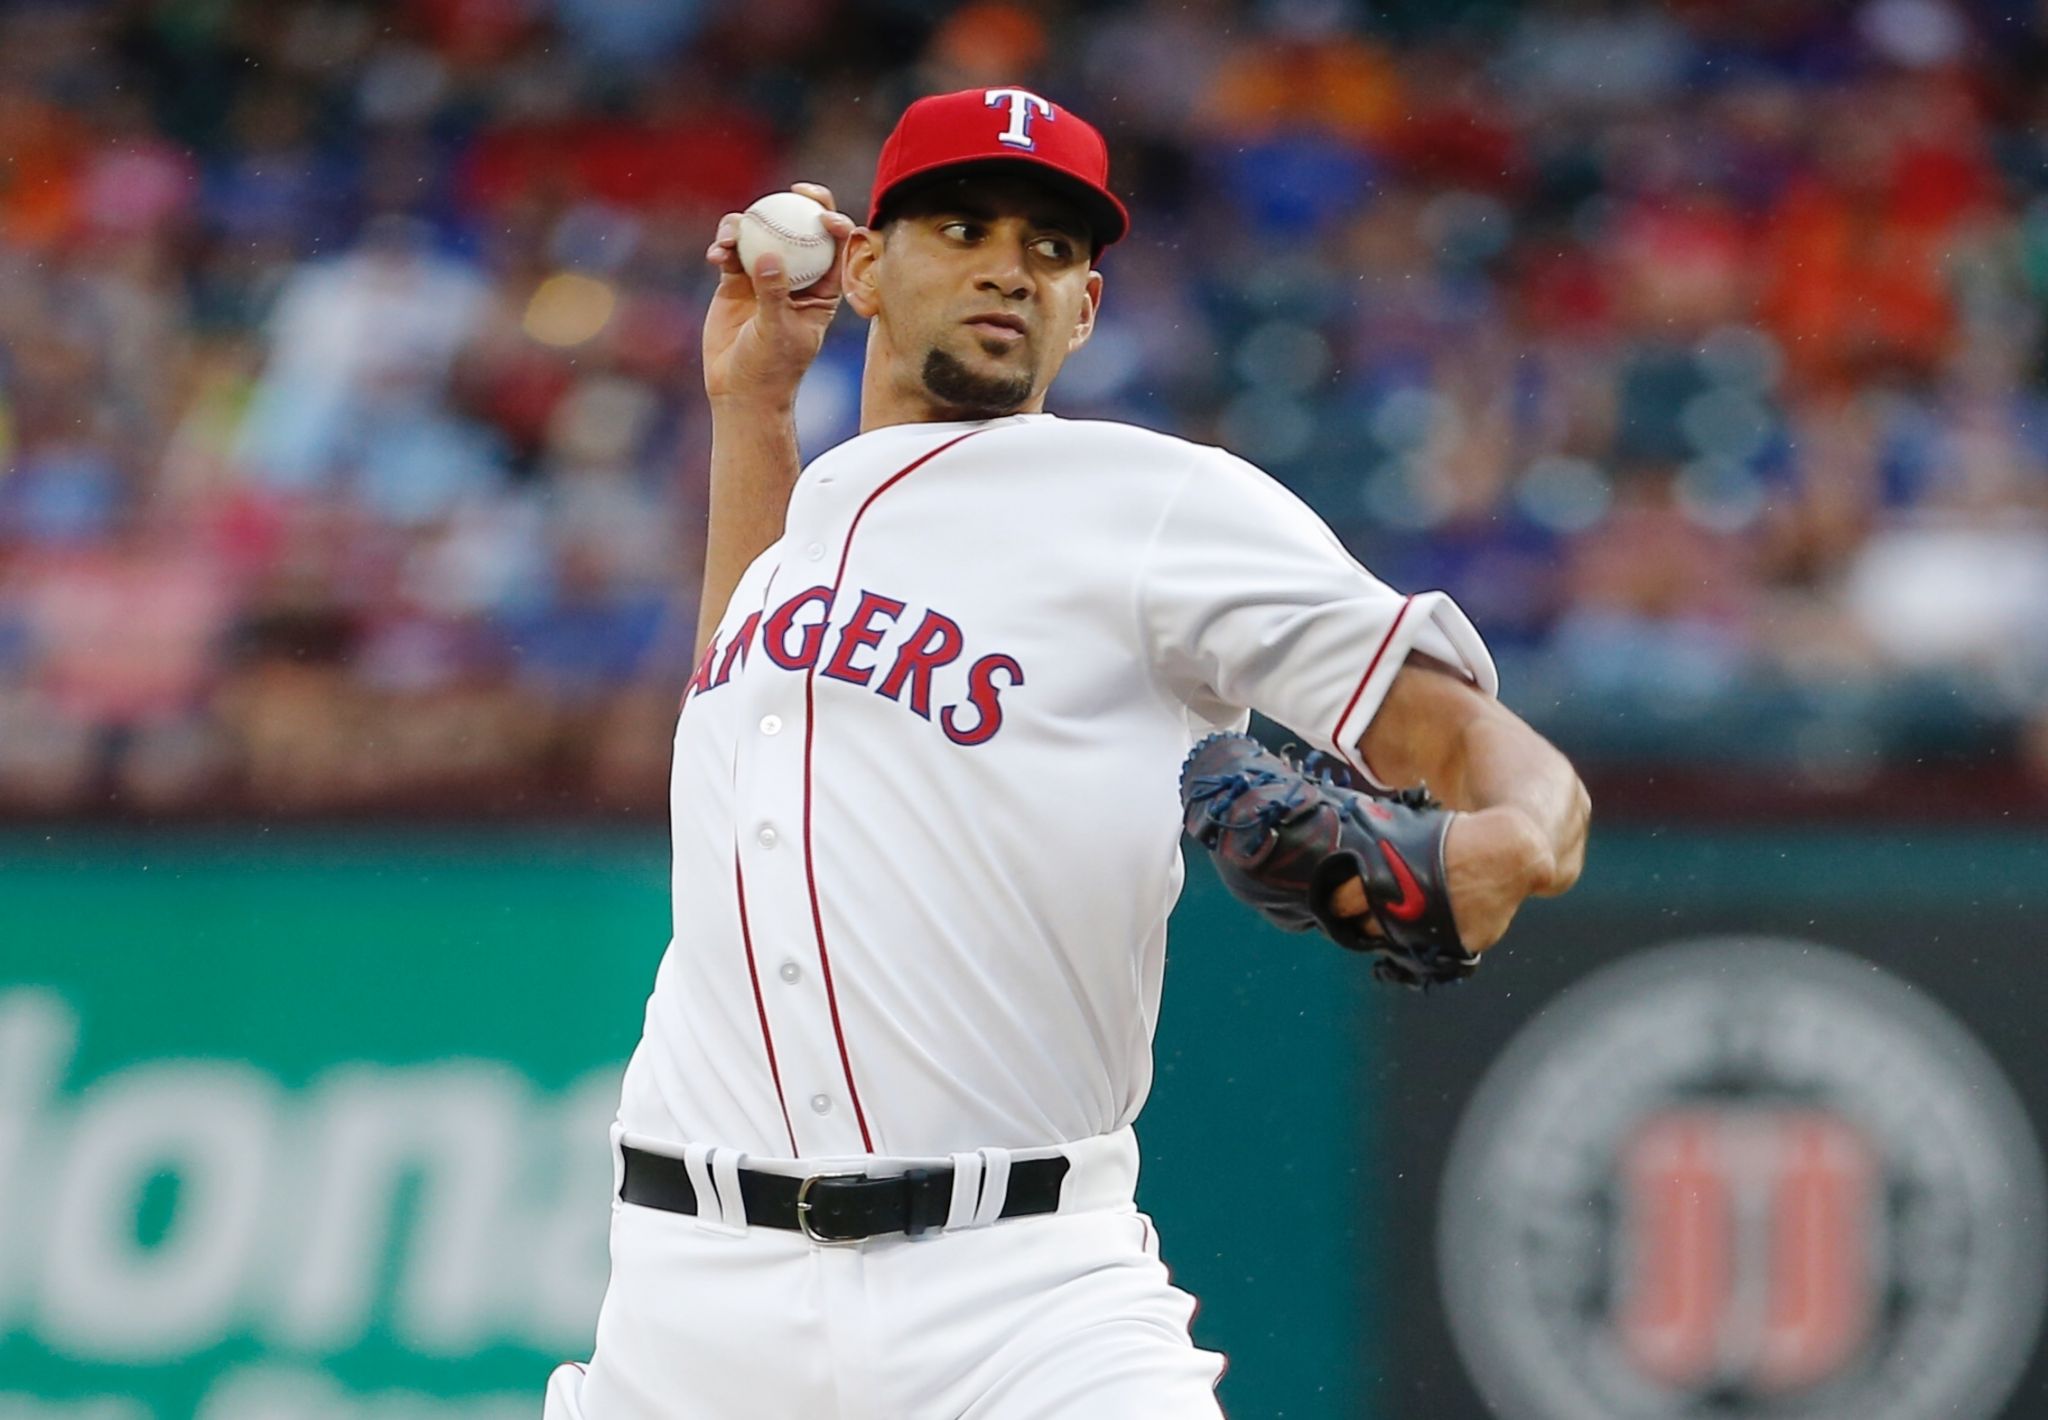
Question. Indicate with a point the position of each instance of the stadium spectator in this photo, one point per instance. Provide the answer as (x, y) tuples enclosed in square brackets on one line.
[(351, 436)]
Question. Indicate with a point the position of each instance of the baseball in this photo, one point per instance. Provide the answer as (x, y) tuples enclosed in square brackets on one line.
[(792, 226)]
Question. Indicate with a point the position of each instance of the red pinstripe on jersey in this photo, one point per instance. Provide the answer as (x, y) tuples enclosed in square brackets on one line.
[(739, 884), (810, 729), (1372, 665)]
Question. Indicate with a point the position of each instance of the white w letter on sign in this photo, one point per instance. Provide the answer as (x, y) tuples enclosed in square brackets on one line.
[(1023, 103)]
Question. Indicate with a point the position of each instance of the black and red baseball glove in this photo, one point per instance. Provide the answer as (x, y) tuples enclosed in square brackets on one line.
[(1285, 837)]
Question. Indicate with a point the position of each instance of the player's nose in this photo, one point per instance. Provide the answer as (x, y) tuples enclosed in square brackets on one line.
[(1005, 268)]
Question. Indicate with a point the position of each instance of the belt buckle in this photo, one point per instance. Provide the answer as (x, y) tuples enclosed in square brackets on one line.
[(804, 1205)]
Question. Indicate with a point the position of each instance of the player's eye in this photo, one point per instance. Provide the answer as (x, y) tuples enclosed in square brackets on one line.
[(1057, 249), (959, 231)]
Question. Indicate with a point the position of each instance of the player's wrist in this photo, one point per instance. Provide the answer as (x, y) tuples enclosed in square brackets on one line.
[(1509, 846), (1530, 859), (754, 401)]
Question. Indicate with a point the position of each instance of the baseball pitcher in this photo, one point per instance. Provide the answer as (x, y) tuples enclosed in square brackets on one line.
[(963, 682)]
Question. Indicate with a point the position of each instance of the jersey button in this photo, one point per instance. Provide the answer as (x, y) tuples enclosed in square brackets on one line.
[(767, 835), (771, 724), (821, 1104), (791, 972), (816, 551)]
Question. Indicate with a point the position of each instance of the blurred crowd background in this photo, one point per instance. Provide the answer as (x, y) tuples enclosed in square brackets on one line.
[(352, 444)]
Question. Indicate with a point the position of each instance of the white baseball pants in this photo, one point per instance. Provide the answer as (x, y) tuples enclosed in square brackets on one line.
[(1065, 1316)]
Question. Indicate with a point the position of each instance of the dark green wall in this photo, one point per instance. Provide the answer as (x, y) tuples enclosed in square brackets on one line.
[(294, 985), (298, 954)]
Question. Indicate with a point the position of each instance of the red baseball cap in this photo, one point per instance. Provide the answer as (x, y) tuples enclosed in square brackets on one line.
[(1010, 126)]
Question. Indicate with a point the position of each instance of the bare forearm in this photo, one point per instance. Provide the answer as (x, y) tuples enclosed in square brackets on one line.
[(1479, 757), (1499, 762), (754, 464)]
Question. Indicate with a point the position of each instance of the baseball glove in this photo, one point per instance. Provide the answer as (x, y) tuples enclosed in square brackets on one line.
[(1287, 836)]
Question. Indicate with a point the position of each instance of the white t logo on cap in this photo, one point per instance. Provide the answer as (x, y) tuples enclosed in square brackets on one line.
[(1022, 104)]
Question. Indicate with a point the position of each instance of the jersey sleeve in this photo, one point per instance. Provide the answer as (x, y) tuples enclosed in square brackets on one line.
[(1247, 600)]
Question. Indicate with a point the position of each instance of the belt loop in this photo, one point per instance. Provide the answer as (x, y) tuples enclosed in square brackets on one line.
[(995, 1187), (967, 1171), (725, 1172), (710, 1211)]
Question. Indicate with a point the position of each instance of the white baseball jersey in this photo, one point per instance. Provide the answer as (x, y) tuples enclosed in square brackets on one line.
[(925, 795)]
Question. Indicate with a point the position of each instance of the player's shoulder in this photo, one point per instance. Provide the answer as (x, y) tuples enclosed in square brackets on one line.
[(1109, 436), (1149, 473), (1131, 450), (1191, 468)]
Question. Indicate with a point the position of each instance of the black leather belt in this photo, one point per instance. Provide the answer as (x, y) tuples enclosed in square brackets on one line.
[(841, 1208)]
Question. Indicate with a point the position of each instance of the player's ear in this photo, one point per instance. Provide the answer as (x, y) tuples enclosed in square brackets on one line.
[(861, 285), (1084, 324)]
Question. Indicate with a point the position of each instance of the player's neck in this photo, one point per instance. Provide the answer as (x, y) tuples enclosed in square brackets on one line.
[(868, 424)]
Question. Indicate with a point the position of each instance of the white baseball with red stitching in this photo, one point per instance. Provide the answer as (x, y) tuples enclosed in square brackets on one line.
[(792, 226)]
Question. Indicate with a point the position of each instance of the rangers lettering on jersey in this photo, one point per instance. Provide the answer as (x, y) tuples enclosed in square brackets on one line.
[(795, 644)]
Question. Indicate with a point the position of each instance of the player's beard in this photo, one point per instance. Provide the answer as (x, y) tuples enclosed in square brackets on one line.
[(967, 395)]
